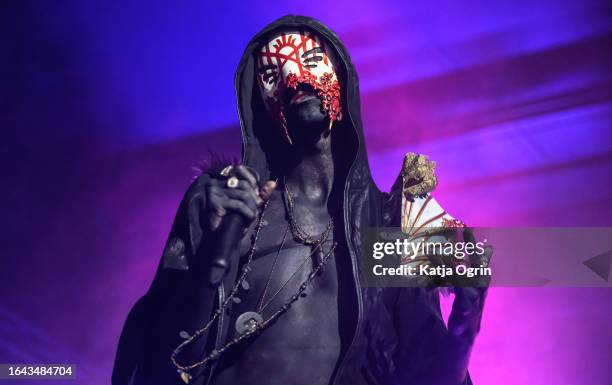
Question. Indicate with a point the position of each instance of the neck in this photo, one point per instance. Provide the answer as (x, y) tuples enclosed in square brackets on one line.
[(310, 172)]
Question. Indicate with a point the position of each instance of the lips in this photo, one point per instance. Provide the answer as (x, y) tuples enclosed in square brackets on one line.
[(301, 96)]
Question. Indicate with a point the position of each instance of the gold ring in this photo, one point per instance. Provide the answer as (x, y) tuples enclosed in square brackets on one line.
[(232, 182), (226, 171)]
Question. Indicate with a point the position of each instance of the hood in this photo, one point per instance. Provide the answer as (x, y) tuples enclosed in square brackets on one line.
[(262, 141)]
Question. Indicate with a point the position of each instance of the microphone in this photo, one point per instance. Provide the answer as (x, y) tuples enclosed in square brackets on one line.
[(230, 232)]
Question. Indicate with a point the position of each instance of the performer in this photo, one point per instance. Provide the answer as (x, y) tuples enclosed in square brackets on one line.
[(284, 304)]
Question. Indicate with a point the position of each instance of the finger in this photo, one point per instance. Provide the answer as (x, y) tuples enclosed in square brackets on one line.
[(488, 253), (244, 173), (254, 173), (474, 257), (483, 258), (246, 197), (215, 204), (240, 207), (249, 189), (468, 235), (213, 200), (214, 220), (219, 187), (265, 192), (222, 184), (215, 210)]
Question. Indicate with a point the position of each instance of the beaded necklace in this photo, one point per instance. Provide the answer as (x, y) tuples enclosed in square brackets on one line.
[(251, 323)]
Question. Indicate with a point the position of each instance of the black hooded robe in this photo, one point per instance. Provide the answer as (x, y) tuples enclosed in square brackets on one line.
[(398, 337)]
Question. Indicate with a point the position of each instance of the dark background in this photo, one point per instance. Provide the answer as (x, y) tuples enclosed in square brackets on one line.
[(105, 106)]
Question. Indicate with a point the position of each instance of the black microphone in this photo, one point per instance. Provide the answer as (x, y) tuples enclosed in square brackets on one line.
[(230, 232)]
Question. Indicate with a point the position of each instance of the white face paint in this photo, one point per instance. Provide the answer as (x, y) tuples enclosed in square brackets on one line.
[(290, 58)]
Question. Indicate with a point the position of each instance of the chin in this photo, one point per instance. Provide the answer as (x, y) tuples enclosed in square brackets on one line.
[(306, 117)]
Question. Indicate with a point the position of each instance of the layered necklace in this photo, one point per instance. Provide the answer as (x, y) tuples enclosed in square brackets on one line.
[(252, 323)]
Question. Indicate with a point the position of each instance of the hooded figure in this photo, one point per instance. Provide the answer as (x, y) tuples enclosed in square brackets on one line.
[(386, 335)]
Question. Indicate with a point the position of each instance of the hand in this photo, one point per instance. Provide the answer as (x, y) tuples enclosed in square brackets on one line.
[(244, 199), (464, 320), (465, 317)]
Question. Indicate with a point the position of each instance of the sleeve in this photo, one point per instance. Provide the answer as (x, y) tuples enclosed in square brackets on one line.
[(421, 356), (141, 347)]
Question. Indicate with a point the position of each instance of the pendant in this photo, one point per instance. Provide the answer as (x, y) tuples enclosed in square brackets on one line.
[(247, 322), (186, 377), (184, 335), (318, 254), (245, 285)]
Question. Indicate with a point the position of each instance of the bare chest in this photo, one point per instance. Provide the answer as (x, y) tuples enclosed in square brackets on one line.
[(306, 336)]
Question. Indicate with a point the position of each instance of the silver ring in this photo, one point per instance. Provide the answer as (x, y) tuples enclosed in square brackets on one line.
[(226, 170), (232, 182)]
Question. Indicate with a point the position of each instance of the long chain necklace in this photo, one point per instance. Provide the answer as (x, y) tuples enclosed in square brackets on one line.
[(260, 305), (252, 323), (249, 319)]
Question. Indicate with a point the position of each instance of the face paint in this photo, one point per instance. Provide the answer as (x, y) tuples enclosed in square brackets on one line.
[(292, 58)]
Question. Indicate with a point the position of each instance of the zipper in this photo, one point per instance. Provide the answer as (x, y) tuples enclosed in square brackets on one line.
[(219, 336), (357, 282)]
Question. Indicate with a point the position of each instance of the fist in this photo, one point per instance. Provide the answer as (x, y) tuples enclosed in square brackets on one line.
[(224, 195)]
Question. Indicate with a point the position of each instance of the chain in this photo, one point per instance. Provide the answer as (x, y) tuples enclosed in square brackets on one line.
[(265, 290), (303, 237), (184, 368), (298, 233), (313, 250)]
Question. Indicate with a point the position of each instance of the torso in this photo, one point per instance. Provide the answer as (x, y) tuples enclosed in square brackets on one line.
[(303, 346)]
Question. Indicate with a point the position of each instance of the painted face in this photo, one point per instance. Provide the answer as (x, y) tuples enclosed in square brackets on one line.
[(292, 58)]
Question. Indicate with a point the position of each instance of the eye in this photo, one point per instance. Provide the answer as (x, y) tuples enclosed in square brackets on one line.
[(311, 62), (311, 57), (268, 73)]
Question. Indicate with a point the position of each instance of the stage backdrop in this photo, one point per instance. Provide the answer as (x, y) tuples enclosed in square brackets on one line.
[(106, 106)]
